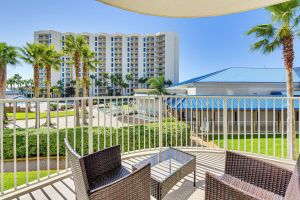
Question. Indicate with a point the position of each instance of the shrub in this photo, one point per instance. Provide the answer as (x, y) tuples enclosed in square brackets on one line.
[(113, 136)]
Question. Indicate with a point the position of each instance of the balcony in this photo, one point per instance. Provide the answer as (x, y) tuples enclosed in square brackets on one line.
[(33, 156)]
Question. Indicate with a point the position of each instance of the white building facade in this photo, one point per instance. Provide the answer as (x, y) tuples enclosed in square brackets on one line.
[(142, 56)]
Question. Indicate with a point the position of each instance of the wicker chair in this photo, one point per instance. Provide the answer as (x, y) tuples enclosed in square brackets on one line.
[(250, 178), (101, 176)]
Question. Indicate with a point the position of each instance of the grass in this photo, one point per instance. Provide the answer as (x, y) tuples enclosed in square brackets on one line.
[(21, 177), (43, 115), (265, 145)]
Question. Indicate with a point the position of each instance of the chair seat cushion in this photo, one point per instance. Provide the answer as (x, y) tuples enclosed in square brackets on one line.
[(108, 177), (255, 191)]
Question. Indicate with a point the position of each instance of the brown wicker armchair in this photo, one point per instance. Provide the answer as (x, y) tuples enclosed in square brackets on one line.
[(101, 176), (250, 178)]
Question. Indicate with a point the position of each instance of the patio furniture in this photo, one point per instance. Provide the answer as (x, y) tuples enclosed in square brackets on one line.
[(101, 176), (250, 178), (167, 169)]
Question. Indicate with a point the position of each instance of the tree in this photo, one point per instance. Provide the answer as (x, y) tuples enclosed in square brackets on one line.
[(18, 80), (169, 83), (143, 80), (8, 56), (70, 91), (51, 60), (157, 84), (88, 59), (33, 54), (114, 83), (129, 77), (74, 46), (280, 34), (31, 86), (98, 83), (60, 86), (93, 77), (10, 82)]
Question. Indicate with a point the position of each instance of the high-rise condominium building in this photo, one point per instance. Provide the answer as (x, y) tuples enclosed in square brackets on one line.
[(142, 56)]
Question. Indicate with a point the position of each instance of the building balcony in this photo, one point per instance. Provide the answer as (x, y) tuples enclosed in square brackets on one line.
[(33, 159)]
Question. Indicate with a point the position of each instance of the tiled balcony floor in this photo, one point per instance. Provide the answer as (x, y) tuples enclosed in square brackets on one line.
[(206, 161)]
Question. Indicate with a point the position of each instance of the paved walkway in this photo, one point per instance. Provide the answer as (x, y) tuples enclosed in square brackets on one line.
[(99, 118)]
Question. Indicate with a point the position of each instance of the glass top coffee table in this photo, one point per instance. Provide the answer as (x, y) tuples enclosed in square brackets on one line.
[(167, 168)]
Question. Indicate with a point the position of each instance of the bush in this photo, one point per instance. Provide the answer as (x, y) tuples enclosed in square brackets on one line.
[(113, 136), (53, 107)]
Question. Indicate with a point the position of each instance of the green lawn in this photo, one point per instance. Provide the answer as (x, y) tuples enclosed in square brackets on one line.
[(21, 178), (43, 115), (265, 144)]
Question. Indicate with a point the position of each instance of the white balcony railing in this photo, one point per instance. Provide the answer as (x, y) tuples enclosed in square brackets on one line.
[(31, 138)]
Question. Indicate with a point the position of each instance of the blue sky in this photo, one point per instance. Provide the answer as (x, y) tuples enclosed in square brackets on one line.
[(206, 44)]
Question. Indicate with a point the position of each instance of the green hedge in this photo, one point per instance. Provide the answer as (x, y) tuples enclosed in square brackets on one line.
[(82, 135)]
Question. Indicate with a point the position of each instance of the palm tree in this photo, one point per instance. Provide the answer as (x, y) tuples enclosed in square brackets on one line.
[(105, 77), (52, 60), (93, 77), (169, 83), (31, 86), (88, 59), (34, 54), (8, 56), (142, 80), (157, 84), (10, 82), (98, 83), (74, 45), (113, 82), (18, 80), (280, 34)]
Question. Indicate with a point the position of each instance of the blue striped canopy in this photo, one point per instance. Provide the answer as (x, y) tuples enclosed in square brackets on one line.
[(232, 103)]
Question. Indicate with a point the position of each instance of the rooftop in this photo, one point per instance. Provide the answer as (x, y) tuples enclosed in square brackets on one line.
[(244, 75)]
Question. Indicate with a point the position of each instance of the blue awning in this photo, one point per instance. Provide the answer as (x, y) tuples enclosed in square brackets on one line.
[(232, 103)]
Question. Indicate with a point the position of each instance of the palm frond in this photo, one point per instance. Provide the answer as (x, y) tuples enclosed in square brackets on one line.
[(263, 30), (284, 12)]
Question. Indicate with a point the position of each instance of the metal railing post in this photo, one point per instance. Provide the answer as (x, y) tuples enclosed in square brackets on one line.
[(90, 130), (225, 128), (1, 147), (160, 107)]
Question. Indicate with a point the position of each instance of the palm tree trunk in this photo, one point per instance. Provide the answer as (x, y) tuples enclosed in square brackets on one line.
[(77, 61), (288, 54), (36, 91), (84, 92), (3, 87), (48, 68)]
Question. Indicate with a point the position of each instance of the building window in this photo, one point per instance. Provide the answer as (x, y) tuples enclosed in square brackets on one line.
[(96, 38)]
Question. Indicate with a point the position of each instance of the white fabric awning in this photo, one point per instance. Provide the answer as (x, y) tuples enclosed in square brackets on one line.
[(189, 8)]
